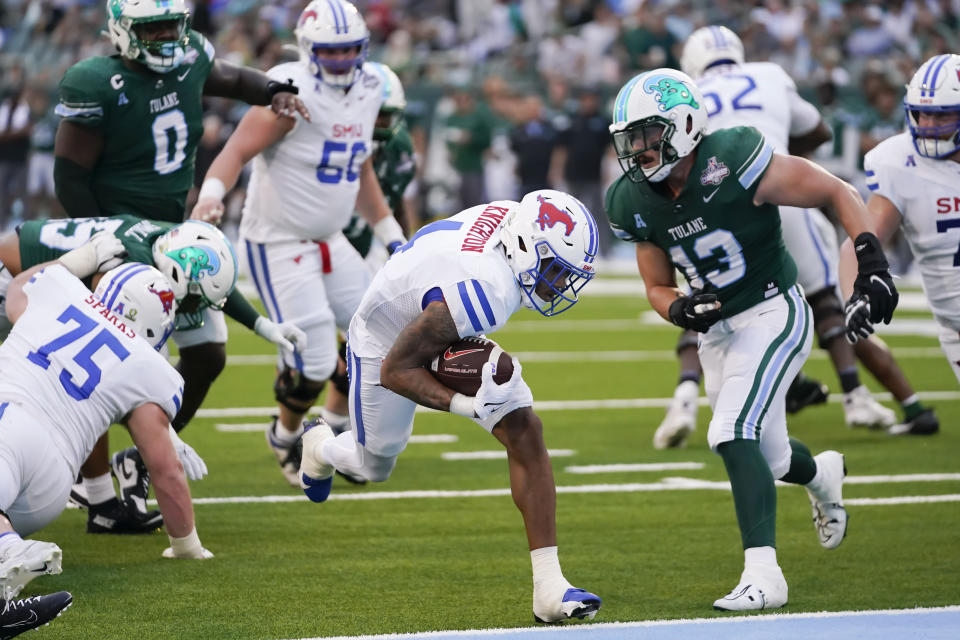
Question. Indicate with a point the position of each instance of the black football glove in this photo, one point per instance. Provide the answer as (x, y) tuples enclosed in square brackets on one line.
[(873, 279), (699, 311), (857, 319)]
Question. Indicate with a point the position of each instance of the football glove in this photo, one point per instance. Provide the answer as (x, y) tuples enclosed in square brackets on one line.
[(285, 335), (102, 252), (873, 279), (193, 464), (494, 401), (699, 311), (857, 319)]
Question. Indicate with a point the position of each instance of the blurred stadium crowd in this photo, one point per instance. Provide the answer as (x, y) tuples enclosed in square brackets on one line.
[(504, 96)]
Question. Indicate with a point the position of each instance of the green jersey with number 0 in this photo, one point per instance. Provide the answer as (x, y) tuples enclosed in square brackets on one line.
[(151, 124), (713, 232)]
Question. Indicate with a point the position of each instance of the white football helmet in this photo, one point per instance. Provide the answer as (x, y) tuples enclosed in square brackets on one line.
[(197, 259), (394, 102), (660, 110), (710, 46), (551, 242), (332, 24), (143, 297), (935, 89), (125, 18)]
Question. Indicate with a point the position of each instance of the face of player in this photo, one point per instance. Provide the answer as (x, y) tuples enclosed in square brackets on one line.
[(159, 31), (189, 304), (929, 120), (552, 270), (644, 141), (337, 60)]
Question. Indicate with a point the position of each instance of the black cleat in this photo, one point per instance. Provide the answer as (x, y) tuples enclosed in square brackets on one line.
[(17, 616), (114, 516), (132, 477), (924, 423), (804, 392)]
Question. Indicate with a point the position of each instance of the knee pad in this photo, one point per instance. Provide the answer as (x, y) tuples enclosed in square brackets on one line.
[(295, 391), (687, 339), (826, 305)]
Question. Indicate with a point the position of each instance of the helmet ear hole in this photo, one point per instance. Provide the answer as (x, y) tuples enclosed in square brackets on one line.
[(522, 244), (689, 123)]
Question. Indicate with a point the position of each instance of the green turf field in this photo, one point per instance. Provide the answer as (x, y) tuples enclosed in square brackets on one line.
[(297, 569)]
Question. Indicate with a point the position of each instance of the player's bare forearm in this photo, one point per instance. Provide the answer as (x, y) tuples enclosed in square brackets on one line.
[(227, 80), (16, 299), (807, 143), (149, 427), (658, 278), (403, 370), (371, 203)]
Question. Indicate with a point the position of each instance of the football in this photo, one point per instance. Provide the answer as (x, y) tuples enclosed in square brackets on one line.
[(458, 367)]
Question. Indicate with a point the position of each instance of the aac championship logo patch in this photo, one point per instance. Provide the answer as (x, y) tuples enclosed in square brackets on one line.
[(714, 173)]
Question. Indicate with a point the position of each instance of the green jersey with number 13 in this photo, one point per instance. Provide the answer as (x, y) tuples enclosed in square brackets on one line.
[(713, 232), (151, 124)]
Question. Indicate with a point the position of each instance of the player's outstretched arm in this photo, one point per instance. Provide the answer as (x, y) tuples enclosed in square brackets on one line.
[(76, 152), (149, 427), (227, 80), (258, 129), (404, 369)]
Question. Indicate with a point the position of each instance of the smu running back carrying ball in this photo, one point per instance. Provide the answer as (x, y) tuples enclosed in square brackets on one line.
[(459, 366)]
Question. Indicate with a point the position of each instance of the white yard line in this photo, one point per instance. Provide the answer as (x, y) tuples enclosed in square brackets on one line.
[(498, 455), (619, 468)]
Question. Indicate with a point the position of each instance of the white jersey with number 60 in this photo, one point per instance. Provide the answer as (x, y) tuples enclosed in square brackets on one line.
[(80, 366)]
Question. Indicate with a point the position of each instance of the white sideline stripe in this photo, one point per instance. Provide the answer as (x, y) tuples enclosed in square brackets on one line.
[(882, 502), (498, 455), (246, 427), (604, 356), (899, 326), (614, 468), (579, 628), (432, 439), (572, 405)]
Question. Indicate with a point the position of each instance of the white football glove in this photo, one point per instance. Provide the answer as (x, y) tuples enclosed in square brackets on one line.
[(493, 401), (187, 547), (102, 252), (285, 335), (193, 464)]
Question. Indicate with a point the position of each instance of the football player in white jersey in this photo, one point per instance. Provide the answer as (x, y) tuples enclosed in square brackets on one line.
[(914, 183), (459, 277), (306, 178), (74, 363), (762, 95)]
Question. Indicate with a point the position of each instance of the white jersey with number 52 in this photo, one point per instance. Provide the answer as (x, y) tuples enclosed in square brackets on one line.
[(927, 194), (760, 95)]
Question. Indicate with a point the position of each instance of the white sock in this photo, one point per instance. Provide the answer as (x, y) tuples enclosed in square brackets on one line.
[(99, 489), (546, 569), (759, 557), (284, 436), (337, 422), (7, 539)]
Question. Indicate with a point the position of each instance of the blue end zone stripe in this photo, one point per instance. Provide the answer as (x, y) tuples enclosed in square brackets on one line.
[(753, 171), (138, 268), (355, 380), (936, 72), (620, 106), (265, 272), (336, 18), (468, 306), (484, 304)]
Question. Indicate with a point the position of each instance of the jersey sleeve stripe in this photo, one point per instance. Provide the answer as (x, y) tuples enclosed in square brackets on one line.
[(66, 111), (756, 168), (753, 154), (870, 173), (468, 306), (873, 187), (208, 49), (484, 304)]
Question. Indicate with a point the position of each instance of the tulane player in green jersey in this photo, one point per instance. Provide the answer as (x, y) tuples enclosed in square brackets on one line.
[(131, 122), (707, 205)]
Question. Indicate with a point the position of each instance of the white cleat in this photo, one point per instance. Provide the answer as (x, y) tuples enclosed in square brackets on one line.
[(861, 410), (573, 603), (829, 515), (681, 418), (287, 455), (759, 588), (316, 474), (25, 560)]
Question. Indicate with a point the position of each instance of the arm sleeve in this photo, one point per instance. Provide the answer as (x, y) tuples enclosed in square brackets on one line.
[(474, 307), (240, 310)]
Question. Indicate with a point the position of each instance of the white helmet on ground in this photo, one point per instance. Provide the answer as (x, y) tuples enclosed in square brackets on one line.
[(935, 89), (142, 297), (197, 259), (710, 46), (394, 103), (332, 24), (659, 110), (551, 242), (126, 18)]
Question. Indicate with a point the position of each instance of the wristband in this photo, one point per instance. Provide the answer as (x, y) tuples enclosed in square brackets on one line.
[(212, 188), (388, 231), (462, 405), (188, 546)]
